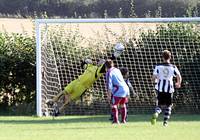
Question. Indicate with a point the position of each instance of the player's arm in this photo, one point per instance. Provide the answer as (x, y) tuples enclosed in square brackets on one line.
[(178, 81), (178, 78), (154, 76), (131, 87), (109, 86)]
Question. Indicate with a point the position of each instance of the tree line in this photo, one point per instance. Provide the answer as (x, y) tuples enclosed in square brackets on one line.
[(99, 8)]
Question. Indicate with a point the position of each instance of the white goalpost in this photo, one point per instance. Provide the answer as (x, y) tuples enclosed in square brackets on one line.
[(61, 44)]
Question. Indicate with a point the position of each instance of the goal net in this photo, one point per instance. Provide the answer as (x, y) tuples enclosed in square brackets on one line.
[(63, 43)]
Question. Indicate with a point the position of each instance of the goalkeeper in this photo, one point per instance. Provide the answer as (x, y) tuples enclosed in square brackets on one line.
[(77, 87)]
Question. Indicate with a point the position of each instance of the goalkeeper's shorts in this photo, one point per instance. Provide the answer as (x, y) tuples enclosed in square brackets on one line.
[(75, 88)]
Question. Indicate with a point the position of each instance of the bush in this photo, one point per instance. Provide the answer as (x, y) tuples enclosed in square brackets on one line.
[(17, 70)]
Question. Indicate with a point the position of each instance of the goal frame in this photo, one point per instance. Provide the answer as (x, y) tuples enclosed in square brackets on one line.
[(38, 22)]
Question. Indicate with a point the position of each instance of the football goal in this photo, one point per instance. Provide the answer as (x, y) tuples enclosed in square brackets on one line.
[(63, 43)]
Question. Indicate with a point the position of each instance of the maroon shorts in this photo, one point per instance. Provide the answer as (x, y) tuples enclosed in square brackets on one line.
[(119, 100)]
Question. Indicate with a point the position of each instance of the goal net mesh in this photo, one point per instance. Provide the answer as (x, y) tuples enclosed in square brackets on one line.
[(64, 45)]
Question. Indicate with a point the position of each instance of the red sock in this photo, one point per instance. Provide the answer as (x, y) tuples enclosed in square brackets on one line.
[(115, 114), (123, 113)]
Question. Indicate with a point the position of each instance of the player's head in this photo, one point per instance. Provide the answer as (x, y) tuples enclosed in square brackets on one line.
[(109, 64), (166, 55), (124, 72)]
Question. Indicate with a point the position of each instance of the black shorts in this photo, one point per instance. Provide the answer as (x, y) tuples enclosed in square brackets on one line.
[(164, 98)]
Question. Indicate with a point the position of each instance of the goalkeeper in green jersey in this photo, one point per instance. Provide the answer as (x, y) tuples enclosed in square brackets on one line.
[(77, 87)]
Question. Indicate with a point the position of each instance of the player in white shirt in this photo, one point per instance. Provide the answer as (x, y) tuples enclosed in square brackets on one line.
[(125, 74), (163, 75), (119, 90)]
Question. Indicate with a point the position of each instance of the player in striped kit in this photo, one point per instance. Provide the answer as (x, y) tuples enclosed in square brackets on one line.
[(163, 75)]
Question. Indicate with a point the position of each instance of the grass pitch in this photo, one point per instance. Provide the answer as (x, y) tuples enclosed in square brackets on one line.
[(181, 127)]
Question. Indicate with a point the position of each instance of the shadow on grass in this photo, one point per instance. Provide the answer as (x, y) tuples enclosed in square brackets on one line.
[(88, 119)]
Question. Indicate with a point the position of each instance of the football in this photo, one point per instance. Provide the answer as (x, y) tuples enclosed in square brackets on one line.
[(119, 47)]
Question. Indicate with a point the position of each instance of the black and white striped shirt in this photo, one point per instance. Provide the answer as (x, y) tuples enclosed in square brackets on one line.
[(165, 73)]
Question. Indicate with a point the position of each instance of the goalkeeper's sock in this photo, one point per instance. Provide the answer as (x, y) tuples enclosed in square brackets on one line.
[(56, 111), (49, 103)]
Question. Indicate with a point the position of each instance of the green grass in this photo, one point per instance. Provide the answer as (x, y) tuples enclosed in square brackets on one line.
[(181, 127)]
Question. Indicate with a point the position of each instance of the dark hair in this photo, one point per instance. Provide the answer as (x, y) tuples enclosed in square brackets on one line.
[(109, 63), (124, 70), (166, 54)]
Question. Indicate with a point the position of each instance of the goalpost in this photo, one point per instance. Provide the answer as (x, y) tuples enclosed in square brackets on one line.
[(61, 44)]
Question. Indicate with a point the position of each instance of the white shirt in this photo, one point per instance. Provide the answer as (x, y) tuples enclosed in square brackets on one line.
[(115, 83), (165, 73)]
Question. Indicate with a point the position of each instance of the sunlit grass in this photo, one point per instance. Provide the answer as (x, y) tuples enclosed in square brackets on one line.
[(181, 127)]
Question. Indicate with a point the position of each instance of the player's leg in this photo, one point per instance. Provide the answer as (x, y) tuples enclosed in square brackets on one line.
[(168, 108), (167, 115), (66, 101), (67, 90), (51, 102), (111, 114), (75, 93), (126, 112), (63, 98), (156, 114), (115, 114), (58, 96), (123, 109), (126, 109), (54, 105), (157, 110), (58, 102), (115, 102)]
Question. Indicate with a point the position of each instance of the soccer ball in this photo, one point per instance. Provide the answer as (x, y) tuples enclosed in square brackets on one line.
[(119, 48)]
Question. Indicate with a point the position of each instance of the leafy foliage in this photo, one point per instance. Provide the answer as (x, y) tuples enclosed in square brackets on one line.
[(17, 69)]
